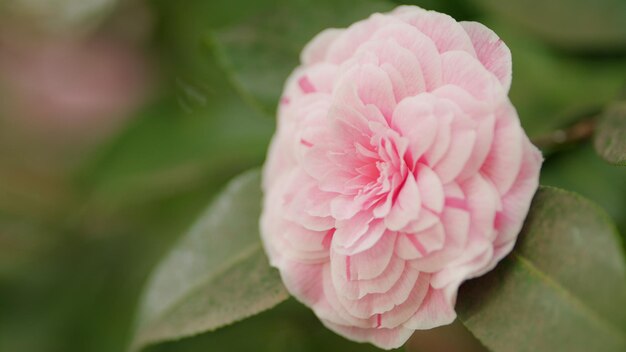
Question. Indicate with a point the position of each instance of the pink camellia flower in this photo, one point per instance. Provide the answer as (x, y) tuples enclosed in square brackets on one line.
[(399, 169)]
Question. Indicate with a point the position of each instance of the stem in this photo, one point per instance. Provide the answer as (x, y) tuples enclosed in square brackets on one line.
[(578, 132)]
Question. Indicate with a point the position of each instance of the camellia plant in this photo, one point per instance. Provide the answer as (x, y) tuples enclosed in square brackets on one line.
[(398, 171), (313, 175)]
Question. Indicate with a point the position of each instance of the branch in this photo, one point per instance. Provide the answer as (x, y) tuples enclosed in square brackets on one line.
[(578, 132)]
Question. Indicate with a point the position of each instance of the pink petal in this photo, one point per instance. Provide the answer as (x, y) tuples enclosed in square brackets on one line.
[(516, 202), (442, 139), (491, 51), (380, 337), (432, 239), (420, 45), (294, 200), (348, 231), (349, 107), (377, 303), (405, 310), (430, 187), (349, 125), (345, 207), (382, 283), (289, 241), (303, 281), (303, 239), (392, 57), (346, 44), (443, 30), (281, 160), (483, 201), (335, 180), (368, 264), (354, 289), (473, 262), (456, 225), (315, 51), (463, 70), (357, 234), (328, 307), (436, 310), (426, 219), (372, 86), (457, 156), (319, 202), (406, 207), (321, 77), (373, 235), (414, 119), (505, 158), (484, 138), (421, 244)]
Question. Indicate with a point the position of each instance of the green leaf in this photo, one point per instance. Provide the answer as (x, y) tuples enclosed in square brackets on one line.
[(610, 137), (260, 53), (216, 275), (580, 170), (563, 288), (577, 24)]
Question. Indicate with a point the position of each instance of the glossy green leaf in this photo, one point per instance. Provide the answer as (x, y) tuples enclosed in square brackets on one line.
[(563, 288), (576, 24), (260, 53), (216, 275), (610, 138)]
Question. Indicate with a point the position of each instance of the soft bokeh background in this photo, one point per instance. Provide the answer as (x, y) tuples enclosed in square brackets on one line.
[(118, 125)]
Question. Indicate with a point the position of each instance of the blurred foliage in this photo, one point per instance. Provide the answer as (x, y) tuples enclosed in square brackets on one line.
[(77, 243), (61, 16), (572, 24)]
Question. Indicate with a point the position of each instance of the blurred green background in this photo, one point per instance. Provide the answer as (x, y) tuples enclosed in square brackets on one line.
[(119, 120)]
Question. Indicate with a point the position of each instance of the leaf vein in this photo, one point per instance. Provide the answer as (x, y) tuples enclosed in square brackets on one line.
[(569, 296)]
